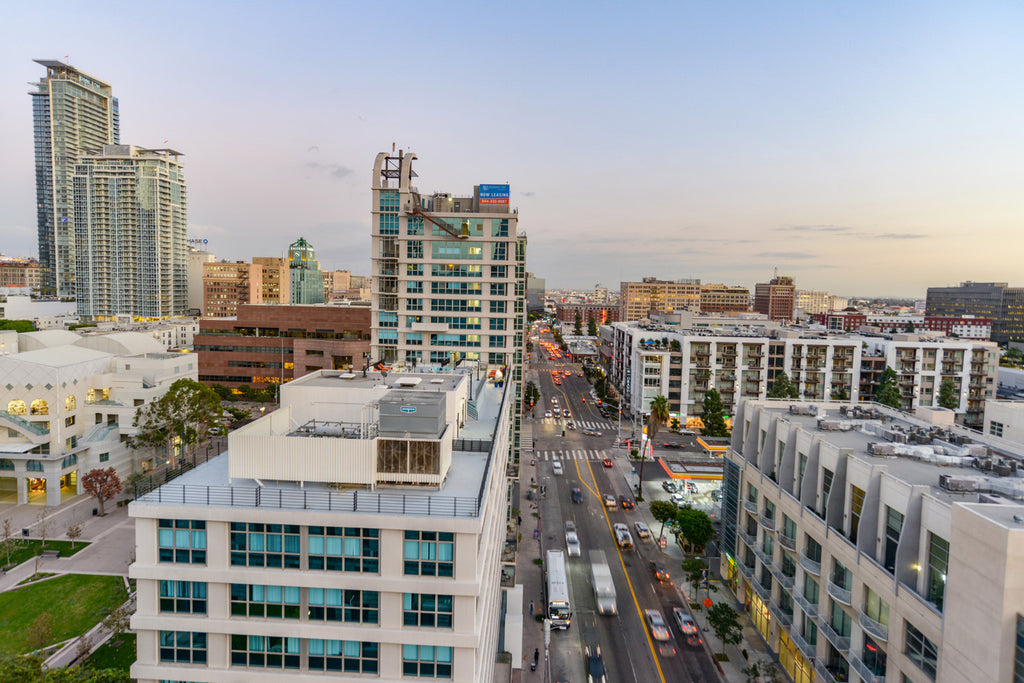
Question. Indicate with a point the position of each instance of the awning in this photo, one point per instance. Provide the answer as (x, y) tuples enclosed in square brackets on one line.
[(16, 447)]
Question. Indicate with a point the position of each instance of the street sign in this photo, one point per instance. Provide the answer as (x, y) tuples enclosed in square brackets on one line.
[(708, 602)]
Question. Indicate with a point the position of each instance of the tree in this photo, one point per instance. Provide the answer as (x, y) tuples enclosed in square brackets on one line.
[(657, 417), (713, 415), (40, 631), (181, 417), (118, 620), (674, 424), (725, 622), (579, 324), (888, 394), (695, 569), (783, 388), (840, 394), (102, 485), (29, 669), (909, 327), (695, 527), (74, 532), (18, 325), (663, 511), (43, 522), (7, 541), (948, 397), (592, 326)]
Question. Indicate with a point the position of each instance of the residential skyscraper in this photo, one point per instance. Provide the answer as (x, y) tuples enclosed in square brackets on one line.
[(71, 112), (130, 227), (449, 276), (307, 284)]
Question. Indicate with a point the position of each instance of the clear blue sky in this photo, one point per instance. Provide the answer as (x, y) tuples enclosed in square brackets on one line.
[(864, 148)]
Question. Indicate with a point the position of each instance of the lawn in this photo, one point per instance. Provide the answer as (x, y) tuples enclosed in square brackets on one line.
[(27, 548), (76, 602), (117, 653)]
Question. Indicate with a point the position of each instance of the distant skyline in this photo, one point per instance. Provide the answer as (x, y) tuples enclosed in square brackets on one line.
[(869, 149)]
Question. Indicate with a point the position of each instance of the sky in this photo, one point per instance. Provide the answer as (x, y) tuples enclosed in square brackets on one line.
[(867, 149)]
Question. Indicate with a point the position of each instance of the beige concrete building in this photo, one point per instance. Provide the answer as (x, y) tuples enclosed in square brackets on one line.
[(336, 283), (20, 273), (1005, 420), (354, 532), (196, 259), (227, 285), (724, 299), (869, 545), (637, 299), (276, 279)]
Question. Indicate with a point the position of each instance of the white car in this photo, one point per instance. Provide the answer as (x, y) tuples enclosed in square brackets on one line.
[(642, 530), (659, 630), (680, 499), (686, 624), (572, 540), (547, 413), (622, 535)]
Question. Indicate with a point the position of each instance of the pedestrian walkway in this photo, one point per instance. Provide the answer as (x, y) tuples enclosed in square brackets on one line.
[(586, 424), (582, 454)]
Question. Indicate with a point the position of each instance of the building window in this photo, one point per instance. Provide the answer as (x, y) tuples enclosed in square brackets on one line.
[(921, 651), (17, 407), (69, 403), (811, 590), (429, 553), (270, 652), (426, 661), (826, 488), (995, 428), (6, 464), (497, 307), (184, 597), (39, 407), (104, 457), (856, 507), (314, 352), (335, 604), (875, 607), (423, 609), (272, 602), (183, 647), (893, 527), (182, 540), (938, 563), (344, 549), (350, 656), (265, 545), (1018, 652)]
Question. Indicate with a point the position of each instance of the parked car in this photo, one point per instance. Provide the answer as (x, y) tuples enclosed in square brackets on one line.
[(659, 630), (669, 486), (686, 624), (642, 530), (680, 499)]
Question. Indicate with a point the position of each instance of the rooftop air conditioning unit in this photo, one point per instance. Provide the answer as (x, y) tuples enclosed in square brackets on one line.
[(951, 482)]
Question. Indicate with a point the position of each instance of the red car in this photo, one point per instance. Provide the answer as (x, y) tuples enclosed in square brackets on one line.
[(607, 462)]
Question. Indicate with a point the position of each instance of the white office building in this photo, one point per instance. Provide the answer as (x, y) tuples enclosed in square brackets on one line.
[(355, 532)]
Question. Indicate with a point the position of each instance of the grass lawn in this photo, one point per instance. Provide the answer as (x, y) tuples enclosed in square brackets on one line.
[(76, 602), (27, 548), (117, 653)]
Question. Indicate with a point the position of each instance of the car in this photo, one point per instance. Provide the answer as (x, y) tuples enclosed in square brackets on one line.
[(557, 411), (642, 530), (554, 400), (680, 499), (570, 425), (547, 413), (609, 501), (558, 382), (572, 540), (579, 374), (659, 629), (595, 665), (669, 486), (691, 487), (685, 622), (567, 415), (659, 572), (627, 503), (556, 467), (577, 495), (607, 462)]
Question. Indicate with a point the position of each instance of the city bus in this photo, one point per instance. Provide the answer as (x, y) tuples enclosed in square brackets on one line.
[(557, 581)]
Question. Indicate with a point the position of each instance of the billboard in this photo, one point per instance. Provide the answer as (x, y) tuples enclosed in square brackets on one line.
[(494, 194)]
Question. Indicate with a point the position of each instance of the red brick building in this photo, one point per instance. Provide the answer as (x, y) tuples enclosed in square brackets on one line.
[(269, 344), (604, 314)]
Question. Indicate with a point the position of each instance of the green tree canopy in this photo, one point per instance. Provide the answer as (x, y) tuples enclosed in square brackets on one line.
[(29, 669), (725, 622), (591, 326), (658, 416), (840, 394), (783, 388), (888, 393), (694, 527), (17, 325), (948, 397), (578, 325), (663, 511), (181, 417), (713, 415)]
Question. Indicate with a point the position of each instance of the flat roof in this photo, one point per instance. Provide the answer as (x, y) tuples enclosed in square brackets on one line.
[(392, 380)]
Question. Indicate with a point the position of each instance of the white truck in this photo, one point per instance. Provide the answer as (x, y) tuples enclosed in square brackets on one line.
[(604, 589)]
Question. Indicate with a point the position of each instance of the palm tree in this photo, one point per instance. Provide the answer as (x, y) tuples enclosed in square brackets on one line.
[(657, 418)]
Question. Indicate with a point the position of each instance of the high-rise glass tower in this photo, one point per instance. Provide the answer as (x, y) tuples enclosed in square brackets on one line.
[(449, 277), (72, 111), (307, 284), (130, 228)]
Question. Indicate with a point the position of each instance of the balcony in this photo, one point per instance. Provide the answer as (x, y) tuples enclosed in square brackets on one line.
[(764, 593), (866, 674), (841, 643), (765, 558), (875, 629), (783, 617), (749, 539), (787, 542), (810, 566), (808, 649), (806, 605), (747, 571), (841, 594), (750, 506), (832, 673), (768, 522)]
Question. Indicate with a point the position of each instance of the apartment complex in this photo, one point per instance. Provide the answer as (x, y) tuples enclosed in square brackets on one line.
[(267, 345), (307, 284), (600, 313), (20, 273), (638, 299), (355, 532), (449, 276), (1003, 304), (719, 299), (131, 219), (866, 544), (226, 286), (67, 404), (71, 112), (681, 364), (776, 298), (964, 327)]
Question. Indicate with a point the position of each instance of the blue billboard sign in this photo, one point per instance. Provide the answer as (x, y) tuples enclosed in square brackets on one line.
[(494, 194)]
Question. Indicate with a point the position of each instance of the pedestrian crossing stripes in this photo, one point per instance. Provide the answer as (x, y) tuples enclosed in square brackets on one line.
[(578, 454), (583, 424)]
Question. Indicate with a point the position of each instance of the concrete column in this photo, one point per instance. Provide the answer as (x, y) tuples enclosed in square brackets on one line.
[(22, 490), (53, 490), (78, 482)]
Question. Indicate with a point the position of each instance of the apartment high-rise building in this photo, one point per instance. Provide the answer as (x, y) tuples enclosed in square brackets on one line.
[(637, 299), (354, 534), (307, 284), (449, 275), (1003, 304), (196, 260), (226, 286), (130, 218), (775, 298), (71, 113), (724, 299), (276, 279)]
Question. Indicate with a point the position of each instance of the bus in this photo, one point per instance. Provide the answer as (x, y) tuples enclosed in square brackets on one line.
[(604, 589), (559, 610)]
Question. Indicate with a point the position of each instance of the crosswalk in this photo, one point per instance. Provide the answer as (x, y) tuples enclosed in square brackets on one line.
[(583, 424), (579, 454)]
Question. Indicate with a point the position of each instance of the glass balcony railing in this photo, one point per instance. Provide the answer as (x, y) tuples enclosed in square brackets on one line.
[(806, 605), (768, 522), (750, 505), (839, 642), (787, 542), (875, 629), (810, 565), (807, 648), (843, 595), (866, 674)]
